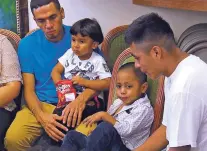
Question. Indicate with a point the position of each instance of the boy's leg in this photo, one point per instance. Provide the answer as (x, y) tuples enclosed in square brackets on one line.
[(25, 129), (105, 137), (74, 141)]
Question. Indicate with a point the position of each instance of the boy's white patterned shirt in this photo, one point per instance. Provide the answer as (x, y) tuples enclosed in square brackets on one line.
[(133, 121)]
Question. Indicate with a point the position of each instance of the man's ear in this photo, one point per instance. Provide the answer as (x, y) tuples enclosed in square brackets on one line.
[(156, 52), (62, 13), (95, 45), (144, 87)]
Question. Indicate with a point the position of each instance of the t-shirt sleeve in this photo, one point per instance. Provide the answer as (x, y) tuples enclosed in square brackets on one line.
[(25, 56), (9, 63), (102, 68), (64, 58), (164, 119), (184, 119)]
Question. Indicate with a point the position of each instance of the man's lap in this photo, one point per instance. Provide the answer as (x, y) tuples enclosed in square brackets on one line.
[(25, 129)]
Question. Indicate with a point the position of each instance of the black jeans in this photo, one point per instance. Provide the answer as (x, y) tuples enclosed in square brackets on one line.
[(6, 119), (103, 138)]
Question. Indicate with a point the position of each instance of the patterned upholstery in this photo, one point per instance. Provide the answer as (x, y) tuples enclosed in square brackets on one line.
[(114, 44), (14, 39), (31, 31), (155, 91)]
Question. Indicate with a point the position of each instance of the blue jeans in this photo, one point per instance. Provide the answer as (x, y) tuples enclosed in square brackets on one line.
[(103, 138)]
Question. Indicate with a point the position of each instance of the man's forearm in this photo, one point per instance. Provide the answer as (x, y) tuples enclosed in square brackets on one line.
[(86, 95), (156, 142), (9, 92), (34, 104)]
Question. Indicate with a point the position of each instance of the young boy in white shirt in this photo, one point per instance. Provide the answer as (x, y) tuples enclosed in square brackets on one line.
[(127, 123), (84, 67)]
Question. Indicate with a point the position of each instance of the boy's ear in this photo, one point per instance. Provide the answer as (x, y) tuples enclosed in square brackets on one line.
[(144, 87), (95, 45)]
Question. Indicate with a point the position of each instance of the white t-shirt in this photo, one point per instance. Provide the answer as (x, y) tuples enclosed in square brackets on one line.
[(185, 111), (93, 68)]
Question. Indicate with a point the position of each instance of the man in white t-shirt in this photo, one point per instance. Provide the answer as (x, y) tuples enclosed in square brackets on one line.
[(184, 126)]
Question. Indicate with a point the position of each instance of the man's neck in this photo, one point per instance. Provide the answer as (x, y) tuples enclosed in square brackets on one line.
[(173, 60)]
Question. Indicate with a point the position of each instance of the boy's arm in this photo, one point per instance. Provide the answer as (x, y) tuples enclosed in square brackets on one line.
[(57, 72), (89, 121), (97, 85), (108, 118), (156, 142)]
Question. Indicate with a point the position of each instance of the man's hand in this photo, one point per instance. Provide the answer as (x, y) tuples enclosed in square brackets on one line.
[(90, 120), (73, 112), (78, 80), (50, 124)]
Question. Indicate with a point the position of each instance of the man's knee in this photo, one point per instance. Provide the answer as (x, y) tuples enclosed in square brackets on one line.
[(12, 139)]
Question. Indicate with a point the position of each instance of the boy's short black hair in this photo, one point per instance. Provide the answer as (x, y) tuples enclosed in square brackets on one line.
[(34, 4), (140, 75), (88, 27), (150, 28)]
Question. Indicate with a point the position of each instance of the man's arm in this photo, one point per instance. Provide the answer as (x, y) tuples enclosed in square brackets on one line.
[(156, 142), (9, 92), (31, 97), (48, 121), (98, 85)]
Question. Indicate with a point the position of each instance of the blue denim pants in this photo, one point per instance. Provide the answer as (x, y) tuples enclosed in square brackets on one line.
[(103, 138)]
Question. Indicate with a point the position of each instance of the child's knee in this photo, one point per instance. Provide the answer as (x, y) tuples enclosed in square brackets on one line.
[(73, 135), (106, 127)]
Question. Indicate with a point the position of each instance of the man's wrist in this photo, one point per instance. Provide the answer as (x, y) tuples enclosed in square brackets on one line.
[(40, 117)]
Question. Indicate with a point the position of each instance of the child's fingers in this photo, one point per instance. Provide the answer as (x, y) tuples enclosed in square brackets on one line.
[(86, 119), (91, 123), (88, 122)]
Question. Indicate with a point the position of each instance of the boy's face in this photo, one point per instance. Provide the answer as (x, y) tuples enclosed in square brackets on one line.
[(83, 46), (128, 88), (49, 19)]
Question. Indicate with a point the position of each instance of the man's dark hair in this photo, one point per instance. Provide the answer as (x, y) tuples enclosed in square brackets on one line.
[(88, 27), (150, 28), (142, 77), (34, 4)]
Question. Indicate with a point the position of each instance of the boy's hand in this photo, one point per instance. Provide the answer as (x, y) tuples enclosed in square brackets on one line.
[(78, 80), (94, 118)]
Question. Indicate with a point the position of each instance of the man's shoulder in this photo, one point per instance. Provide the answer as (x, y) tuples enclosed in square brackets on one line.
[(32, 37), (67, 27)]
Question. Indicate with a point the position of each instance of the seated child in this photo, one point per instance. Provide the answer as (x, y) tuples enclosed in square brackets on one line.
[(83, 67), (127, 123)]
